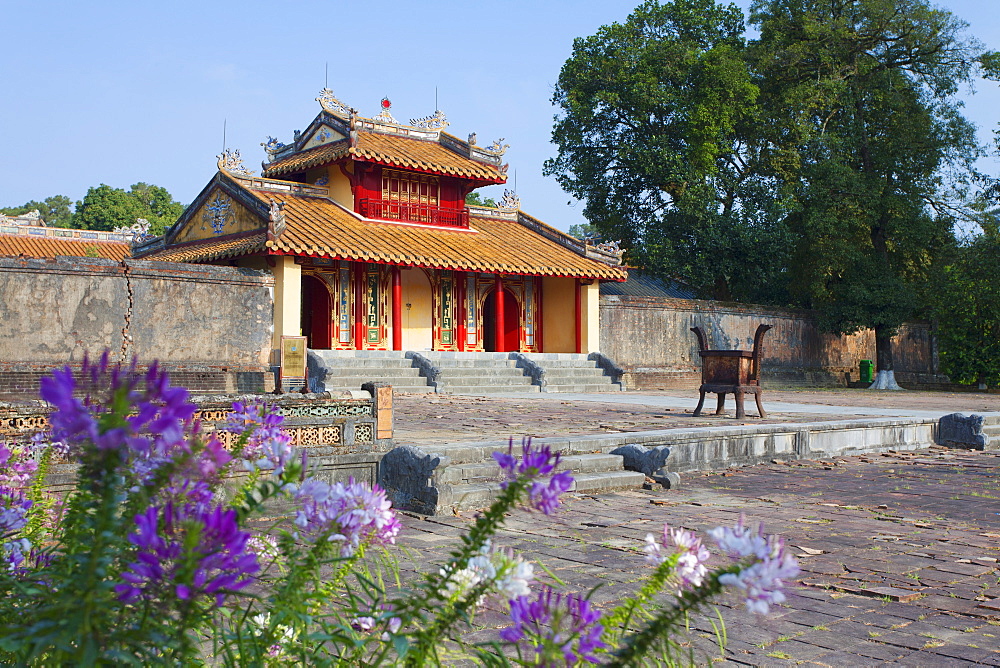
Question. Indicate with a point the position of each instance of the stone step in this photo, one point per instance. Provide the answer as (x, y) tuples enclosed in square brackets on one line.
[(367, 363), (487, 389), (395, 381), (474, 363), (489, 471), (570, 371), (484, 379), (453, 355), (476, 496), (484, 372), (560, 357), (583, 388), (477, 452), (565, 364), (396, 388), (371, 373)]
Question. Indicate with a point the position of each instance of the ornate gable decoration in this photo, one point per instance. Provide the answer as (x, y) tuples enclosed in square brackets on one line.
[(437, 121), (510, 200), (230, 161), (218, 214), (330, 103)]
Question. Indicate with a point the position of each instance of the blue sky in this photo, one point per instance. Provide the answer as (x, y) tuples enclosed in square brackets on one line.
[(115, 92)]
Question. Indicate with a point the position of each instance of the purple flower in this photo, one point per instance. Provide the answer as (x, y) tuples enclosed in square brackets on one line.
[(534, 465), (691, 555), (106, 407), (13, 519), (559, 629), (769, 564), (268, 447), (353, 514), (16, 467), (187, 551)]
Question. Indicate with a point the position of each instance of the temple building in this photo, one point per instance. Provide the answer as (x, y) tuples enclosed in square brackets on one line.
[(364, 224)]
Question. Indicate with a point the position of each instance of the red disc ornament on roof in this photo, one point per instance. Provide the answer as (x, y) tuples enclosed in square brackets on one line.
[(386, 103)]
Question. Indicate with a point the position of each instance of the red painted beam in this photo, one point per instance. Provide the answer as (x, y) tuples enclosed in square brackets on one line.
[(397, 309), (498, 300)]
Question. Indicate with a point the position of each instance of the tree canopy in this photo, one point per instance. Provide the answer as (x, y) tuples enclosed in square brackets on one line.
[(965, 302), (105, 208), (56, 211), (818, 164)]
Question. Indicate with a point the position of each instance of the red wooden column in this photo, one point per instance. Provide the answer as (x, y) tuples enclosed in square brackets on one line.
[(579, 317), (397, 309), (359, 306), (498, 300), (460, 309)]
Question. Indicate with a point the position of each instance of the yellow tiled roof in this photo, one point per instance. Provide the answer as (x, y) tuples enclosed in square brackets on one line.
[(24, 245), (313, 157), (390, 150), (317, 226), (210, 249)]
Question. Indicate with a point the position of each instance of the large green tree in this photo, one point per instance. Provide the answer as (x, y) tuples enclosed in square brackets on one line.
[(819, 164), (105, 208), (656, 134), (965, 304), (861, 100), (56, 211)]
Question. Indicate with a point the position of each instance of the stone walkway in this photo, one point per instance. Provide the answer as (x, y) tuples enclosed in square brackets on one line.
[(429, 419), (898, 551)]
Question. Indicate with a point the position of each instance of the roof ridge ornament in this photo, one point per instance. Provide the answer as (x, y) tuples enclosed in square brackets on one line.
[(436, 121), (276, 219), (510, 200), (272, 147), (230, 161), (330, 103), (385, 116), (496, 149), (136, 233)]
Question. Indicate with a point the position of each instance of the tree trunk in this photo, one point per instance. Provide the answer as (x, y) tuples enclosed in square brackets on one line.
[(885, 379)]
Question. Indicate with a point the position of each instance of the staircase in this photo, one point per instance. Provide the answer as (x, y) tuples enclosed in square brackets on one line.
[(570, 372), (464, 476), (448, 372), (991, 429), (474, 373), (349, 369)]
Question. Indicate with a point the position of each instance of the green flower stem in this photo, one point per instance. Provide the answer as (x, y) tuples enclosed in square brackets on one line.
[(486, 526), (638, 645), (620, 616)]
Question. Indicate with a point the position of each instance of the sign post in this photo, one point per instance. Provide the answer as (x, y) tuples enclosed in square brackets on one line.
[(293, 368)]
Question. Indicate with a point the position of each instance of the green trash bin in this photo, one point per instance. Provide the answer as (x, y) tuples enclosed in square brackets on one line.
[(867, 371)]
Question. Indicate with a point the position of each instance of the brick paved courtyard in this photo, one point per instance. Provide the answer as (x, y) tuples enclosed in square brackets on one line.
[(898, 553)]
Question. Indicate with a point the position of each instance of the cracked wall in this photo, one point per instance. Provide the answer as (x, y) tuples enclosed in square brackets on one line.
[(53, 312)]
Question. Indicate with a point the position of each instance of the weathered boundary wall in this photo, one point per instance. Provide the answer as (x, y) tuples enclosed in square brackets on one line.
[(651, 339), (210, 326)]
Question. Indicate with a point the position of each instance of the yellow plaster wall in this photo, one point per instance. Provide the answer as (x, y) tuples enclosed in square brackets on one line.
[(340, 187), (287, 299), (417, 320), (239, 219), (591, 306), (558, 314)]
